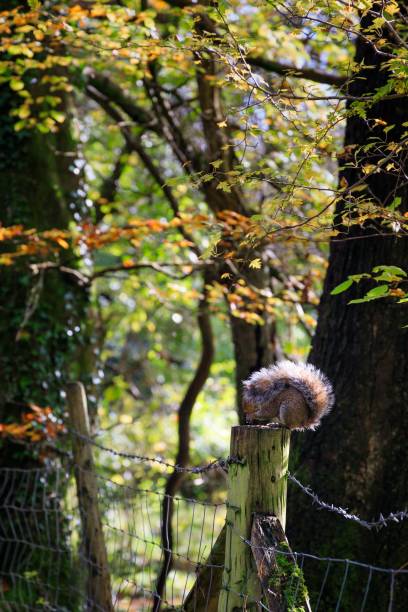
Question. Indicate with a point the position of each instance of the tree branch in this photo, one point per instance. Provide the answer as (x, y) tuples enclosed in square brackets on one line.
[(309, 74), (84, 280), (109, 186), (216, 137), (161, 268), (171, 131), (113, 92)]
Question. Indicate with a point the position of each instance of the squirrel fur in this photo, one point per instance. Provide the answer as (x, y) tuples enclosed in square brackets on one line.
[(294, 394)]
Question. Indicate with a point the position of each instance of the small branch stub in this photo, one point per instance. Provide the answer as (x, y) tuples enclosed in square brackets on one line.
[(99, 594), (280, 576)]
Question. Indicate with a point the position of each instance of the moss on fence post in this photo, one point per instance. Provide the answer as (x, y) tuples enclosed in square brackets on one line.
[(257, 483)]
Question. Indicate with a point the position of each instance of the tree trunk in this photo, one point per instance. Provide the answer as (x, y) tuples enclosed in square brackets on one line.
[(40, 331), (38, 189), (255, 344), (358, 457)]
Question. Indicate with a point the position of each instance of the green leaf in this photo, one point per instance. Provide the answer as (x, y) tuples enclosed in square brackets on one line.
[(58, 116), (379, 291), (358, 277), (211, 248), (34, 4), (374, 294), (392, 270), (388, 128), (342, 287), (395, 203), (224, 186)]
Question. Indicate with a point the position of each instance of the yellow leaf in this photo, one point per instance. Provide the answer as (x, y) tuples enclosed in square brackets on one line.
[(217, 163), (16, 85), (126, 419), (256, 263), (63, 243), (24, 112), (38, 35)]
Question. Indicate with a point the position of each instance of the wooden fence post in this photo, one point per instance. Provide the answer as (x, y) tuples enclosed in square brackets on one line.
[(257, 484), (98, 589)]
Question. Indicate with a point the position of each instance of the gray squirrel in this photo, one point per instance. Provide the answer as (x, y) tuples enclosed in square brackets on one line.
[(295, 395)]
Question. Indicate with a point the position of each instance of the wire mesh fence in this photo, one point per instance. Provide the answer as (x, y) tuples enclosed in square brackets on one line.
[(353, 586), (132, 525), (37, 556), (44, 564)]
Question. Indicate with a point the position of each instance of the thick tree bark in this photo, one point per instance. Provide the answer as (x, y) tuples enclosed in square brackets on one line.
[(39, 190), (358, 458), (38, 183)]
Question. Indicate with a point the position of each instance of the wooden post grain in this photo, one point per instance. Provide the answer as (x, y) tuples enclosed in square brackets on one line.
[(257, 484), (98, 590)]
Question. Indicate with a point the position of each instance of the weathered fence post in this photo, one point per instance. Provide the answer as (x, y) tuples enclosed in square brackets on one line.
[(257, 484), (99, 595)]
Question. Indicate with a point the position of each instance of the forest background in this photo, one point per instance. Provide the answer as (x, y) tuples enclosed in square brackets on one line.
[(190, 191)]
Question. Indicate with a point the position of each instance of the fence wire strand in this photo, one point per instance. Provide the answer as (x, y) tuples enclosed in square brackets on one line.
[(213, 465), (382, 521)]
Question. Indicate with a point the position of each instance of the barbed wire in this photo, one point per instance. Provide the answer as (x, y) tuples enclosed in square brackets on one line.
[(298, 560), (223, 463), (220, 463), (296, 554), (197, 564), (34, 502), (382, 521)]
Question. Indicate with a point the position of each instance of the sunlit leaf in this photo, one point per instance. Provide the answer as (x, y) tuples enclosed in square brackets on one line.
[(342, 287)]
